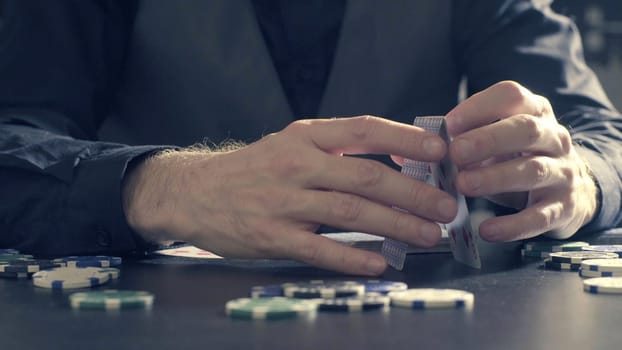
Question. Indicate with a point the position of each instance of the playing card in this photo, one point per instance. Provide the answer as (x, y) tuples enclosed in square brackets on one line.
[(463, 240)]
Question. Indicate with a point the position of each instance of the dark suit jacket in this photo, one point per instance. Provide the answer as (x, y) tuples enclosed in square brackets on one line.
[(87, 86)]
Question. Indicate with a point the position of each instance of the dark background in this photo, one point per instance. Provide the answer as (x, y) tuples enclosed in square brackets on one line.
[(600, 22)]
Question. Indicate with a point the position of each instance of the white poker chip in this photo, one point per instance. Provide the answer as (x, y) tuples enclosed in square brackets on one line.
[(112, 271), (590, 274), (432, 298), (71, 277), (600, 285), (603, 265), (611, 248), (578, 257)]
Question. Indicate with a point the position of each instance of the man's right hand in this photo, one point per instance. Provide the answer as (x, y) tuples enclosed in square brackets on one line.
[(265, 200)]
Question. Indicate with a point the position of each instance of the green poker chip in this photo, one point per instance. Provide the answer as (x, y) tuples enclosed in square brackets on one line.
[(269, 308), (111, 299), (554, 246)]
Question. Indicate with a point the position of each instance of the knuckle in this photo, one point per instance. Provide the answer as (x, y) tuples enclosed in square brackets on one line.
[(569, 174), (545, 107), (363, 127), (299, 125), (399, 223), (539, 171), (369, 173), (415, 193), (310, 254), (515, 92), (565, 140), (532, 127), (347, 207), (543, 219)]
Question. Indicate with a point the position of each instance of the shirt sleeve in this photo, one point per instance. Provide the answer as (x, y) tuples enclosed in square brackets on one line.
[(60, 62), (525, 41)]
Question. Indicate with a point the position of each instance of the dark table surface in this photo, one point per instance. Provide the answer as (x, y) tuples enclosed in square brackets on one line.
[(518, 305)]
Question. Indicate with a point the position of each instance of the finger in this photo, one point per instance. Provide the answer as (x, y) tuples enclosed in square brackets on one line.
[(372, 135), (535, 220), (378, 182), (518, 133), (355, 213), (397, 160), (499, 101), (325, 253), (520, 174)]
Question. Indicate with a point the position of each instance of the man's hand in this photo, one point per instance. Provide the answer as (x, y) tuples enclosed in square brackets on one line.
[(268, 198), (510, 147)]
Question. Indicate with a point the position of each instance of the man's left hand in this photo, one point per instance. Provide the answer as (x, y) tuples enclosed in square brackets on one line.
[(510, 148)]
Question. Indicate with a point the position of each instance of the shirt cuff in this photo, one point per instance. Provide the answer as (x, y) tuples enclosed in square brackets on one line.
[(97, 195), (609, 186)]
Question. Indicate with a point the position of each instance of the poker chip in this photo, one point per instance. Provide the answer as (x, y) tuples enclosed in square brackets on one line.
[(554, 246), (613, 248), (15, 275), (383, 287), (269, 308), (603, 265), (534, 254), (27, 265), (323, 289), (111, 300), (113, 272), (366, 302), (554, 265), (578, 257), (90, 261), (589, 274), (70, 277), (9, 251), (600, 285), (432, 298), (8, 257), (273, 290)]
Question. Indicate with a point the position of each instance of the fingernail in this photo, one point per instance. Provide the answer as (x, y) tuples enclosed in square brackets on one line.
[(430, 233), (376, 265), (447, 208), (433, 146), (489, 232), (464, 149), (474, 181), (452, 123)]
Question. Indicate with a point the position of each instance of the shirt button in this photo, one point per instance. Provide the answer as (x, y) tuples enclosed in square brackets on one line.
[(103, 237)]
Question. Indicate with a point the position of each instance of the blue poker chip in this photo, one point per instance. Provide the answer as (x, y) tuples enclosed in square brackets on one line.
[(90, 261), (383, 287), (27, 265), (366, 302), (323, 289), (273, 290)]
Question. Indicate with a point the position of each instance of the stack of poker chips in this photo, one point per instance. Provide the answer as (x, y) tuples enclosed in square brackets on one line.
[(306, 298), (76, 272)]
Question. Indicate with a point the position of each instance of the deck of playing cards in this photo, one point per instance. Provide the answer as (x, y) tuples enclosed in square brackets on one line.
[(463, 231)]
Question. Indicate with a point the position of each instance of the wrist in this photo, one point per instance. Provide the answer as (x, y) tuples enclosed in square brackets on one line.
[(146, 200)]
